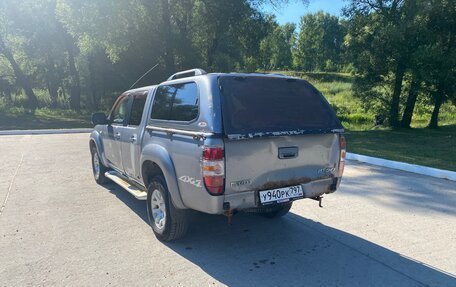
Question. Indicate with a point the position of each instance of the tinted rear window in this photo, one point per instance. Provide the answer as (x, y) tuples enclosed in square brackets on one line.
[(137, 109), (266, 104), (177, 102)]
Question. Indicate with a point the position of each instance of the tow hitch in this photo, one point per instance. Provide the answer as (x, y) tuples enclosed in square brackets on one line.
[(229, 215), (319, 199), (228, 212)]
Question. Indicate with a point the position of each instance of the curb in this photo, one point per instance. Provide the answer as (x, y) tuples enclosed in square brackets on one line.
[(45, 132), (419, 169)]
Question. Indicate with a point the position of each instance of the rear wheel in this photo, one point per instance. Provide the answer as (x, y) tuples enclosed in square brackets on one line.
[(167, 222), (276, 211), (98, 168)]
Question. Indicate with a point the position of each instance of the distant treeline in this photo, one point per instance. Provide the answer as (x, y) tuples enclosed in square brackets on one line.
[(80, 54)]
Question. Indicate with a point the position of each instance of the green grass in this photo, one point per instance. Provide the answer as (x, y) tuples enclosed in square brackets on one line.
[(18, 119), (422, 146)]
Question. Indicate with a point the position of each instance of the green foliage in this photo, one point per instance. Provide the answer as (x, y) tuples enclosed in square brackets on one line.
[(398, 56), (276, 48), (319, 44), (394, 44)]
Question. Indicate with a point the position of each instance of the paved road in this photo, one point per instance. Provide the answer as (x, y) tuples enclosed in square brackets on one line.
[(382, 228)]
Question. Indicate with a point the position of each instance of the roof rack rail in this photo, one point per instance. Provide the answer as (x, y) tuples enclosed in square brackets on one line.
[(187, 73)]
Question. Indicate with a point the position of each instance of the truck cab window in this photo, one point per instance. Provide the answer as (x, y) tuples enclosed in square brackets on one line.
[(120, 111), (137, 109)]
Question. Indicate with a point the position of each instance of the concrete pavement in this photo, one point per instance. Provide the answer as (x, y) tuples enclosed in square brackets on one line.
[(58, 227)]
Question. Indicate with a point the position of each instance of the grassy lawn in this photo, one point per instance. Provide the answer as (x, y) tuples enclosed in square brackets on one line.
[(44, 119), (435, 148)]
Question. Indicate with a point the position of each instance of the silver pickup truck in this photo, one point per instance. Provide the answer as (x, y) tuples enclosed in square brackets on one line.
[(219, 143)]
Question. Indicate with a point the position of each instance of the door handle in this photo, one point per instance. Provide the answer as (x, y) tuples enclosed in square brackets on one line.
[(117, 135), (288, 152), (133, 139)]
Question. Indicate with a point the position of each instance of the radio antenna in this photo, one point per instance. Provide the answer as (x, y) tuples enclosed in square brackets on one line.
[(143, 76)]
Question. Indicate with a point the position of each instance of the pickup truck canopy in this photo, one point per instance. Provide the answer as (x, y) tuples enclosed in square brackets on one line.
[(255, 104)]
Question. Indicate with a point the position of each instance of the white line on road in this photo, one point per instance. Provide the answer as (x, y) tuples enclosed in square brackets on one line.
[(11, 185)]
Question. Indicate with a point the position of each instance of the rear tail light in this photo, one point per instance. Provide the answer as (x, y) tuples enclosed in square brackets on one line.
[(342, 145), (214, 170)]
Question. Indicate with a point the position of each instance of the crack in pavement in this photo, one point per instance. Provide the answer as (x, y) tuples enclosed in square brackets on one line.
[(11, 185)]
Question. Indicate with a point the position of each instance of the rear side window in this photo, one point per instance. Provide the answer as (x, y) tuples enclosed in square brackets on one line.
[(265, 104), (177, 102), (137, 109)]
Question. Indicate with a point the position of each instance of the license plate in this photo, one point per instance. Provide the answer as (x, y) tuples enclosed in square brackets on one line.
[(280, 195)]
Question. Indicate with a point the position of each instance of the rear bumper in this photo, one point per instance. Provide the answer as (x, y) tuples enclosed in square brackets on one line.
[(249, 199)]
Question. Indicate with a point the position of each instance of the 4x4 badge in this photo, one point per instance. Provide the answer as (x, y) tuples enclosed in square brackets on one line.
[(191, 180)]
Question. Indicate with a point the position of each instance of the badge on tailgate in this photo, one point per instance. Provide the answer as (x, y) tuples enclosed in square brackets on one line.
[(326, 171), (239, 183)]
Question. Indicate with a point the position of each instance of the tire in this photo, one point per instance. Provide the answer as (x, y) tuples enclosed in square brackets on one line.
[(98, 173), (277, 211), (171, 224)]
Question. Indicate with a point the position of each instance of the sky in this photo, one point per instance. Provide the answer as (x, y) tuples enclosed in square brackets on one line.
[(295, 9)]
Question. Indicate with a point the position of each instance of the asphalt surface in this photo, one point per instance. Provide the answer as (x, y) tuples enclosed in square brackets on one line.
[(59, 228)]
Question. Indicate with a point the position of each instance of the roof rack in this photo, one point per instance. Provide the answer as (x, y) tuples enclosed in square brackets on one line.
[(187, 73)]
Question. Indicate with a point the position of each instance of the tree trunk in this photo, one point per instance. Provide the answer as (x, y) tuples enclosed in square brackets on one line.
[(167, 36), (438, 97), (52, 89), (394, 108), (410, 105), (21, 78), (52, 81), (211, 51), (5, 91), (93, 83), (75, 88), (7, 94), (184, 50), (75, 85)]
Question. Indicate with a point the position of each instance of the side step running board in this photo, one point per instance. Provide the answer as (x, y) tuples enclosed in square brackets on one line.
[(134, 190)]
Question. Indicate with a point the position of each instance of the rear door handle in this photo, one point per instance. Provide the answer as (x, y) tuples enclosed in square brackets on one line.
[(133, 139), (288, 152), (117, 136)]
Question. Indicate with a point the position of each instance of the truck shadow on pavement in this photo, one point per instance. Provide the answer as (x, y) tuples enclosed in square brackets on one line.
[(403, 190), (290, 251)]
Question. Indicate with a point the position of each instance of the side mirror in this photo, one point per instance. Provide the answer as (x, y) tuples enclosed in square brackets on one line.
[(99, 119)]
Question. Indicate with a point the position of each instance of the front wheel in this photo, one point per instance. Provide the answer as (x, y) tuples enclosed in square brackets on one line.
[(167, 222), (98, 168)]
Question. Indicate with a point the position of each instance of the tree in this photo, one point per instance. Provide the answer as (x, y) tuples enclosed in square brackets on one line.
[(417, 38), (276, 48), (442, 55), (319, 44), (379, 50), (167, 37), (21, 78)]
